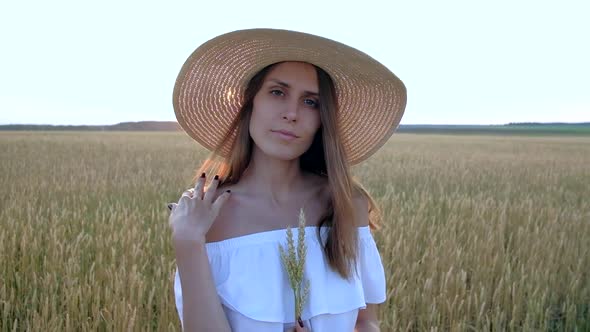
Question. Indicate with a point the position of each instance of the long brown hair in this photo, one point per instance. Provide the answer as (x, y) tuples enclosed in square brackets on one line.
[(325, 157)]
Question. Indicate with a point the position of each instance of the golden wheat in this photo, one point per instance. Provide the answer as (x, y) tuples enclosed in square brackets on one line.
[(479, 232), (294, 264)]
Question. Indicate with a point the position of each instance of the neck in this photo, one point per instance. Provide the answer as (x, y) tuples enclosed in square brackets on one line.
[(273, 178)]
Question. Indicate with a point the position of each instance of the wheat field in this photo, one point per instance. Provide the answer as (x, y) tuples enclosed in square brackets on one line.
[(480, 233)]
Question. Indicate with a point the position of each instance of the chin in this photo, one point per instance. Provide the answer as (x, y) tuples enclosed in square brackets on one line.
[(281, 153)]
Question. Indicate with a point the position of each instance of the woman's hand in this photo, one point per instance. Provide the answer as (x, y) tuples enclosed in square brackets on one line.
[(194, 214), (299, 327)]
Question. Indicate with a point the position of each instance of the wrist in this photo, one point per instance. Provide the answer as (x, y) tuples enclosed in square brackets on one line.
[(189, 248)]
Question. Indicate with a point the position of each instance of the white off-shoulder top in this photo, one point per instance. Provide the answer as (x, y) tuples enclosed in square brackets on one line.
[(254, 289)]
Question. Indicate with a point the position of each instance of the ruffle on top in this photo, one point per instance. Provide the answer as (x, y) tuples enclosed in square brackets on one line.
[(250, 277)]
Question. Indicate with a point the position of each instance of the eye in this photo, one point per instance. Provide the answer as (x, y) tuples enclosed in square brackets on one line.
[(311, 102), (277, 92)]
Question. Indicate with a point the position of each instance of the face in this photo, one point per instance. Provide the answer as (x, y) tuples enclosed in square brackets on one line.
[(285, 113)]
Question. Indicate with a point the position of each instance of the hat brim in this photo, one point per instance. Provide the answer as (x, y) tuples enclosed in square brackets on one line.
[(210, 86)]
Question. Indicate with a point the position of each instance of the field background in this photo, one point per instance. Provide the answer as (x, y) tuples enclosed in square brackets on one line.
[(480, 232)]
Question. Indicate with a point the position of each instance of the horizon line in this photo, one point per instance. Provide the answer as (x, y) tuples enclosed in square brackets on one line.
[(401, 124)]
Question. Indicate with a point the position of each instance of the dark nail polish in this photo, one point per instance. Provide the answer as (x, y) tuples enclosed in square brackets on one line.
[(300, 322), (203, 175), (170, 206), (216, 177), (228, 191)]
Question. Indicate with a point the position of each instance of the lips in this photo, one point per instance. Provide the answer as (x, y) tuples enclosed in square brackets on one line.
[(286, 132)]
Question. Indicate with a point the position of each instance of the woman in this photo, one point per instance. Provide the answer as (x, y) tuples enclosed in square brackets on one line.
[(285, 115)]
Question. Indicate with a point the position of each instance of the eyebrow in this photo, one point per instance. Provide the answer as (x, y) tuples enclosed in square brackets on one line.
[(281, 83)]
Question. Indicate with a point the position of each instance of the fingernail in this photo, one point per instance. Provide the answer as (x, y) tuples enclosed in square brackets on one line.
[(216, 177), (300, 322), (228, 191), (203, 175), (170, 206)]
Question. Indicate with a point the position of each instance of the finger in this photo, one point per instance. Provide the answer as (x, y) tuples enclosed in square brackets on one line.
[(198, 193), (212, 189), (299, 326), (183, 201), (218, 204), (171, 206)]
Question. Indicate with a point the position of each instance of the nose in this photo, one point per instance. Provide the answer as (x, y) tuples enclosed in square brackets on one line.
[(290, 111)]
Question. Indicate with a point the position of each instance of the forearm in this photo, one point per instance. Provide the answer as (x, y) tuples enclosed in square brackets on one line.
[(202, 310), (366, 326)]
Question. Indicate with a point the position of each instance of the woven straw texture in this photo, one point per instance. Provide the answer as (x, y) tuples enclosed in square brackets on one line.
[(208, 90)]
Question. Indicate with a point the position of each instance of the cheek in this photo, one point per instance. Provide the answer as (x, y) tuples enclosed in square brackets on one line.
[(260, 125), (318, 121), (314, 123), (261, 111), (257, 120), (254, 124)]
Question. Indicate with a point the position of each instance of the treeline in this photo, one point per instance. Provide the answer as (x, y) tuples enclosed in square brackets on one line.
[(577, 124), (507, 129), (520, 128)]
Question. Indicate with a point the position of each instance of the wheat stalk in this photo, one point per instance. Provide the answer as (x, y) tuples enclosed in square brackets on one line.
[(294, 262), (74, 259)]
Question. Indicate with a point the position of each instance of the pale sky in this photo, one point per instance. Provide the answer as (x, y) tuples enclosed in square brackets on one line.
[(463, 62)]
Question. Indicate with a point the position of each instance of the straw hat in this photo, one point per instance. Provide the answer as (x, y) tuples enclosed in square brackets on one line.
[(209, 88)]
